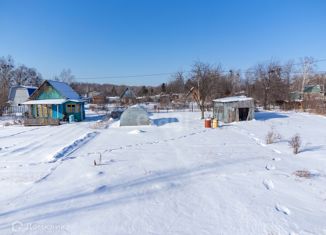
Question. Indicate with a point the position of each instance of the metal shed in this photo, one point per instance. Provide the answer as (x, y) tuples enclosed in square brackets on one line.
[(234, 109), (134, 116)]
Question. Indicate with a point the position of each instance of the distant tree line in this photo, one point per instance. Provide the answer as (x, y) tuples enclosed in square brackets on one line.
[(11, 75), (268, 83)]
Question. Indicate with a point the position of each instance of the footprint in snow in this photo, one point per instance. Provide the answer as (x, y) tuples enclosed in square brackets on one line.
[(282, 209), (101, 189), (277, 151), (269, 167), (277, 159), (268, 184)]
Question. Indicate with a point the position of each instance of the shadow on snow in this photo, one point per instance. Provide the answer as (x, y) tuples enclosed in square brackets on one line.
[(126, 188), (163, 121), (264, 116)]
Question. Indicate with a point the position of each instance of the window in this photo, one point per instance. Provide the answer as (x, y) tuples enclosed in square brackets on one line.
[(70, 108), (73, 108)]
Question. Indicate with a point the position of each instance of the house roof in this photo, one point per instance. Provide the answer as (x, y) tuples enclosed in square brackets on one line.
[(31, 90), (312, 89), (128, 93), (12, 91), (233, 99), (64, 89)]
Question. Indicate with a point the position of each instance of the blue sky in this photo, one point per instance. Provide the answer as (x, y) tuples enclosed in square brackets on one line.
[(119, 37)]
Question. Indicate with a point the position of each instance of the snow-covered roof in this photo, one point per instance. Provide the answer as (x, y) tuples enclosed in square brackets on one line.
[(233, 99), (49, 101), (52, 101), (113, 97), (64, 89)]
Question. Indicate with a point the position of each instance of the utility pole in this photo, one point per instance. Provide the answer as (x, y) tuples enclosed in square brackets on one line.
[(305, 73), (306, 67)]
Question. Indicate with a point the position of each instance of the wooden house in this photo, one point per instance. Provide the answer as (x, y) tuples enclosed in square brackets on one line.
[(17, 96), (99, 99), (128, 97), (234, 109), (52, 102)]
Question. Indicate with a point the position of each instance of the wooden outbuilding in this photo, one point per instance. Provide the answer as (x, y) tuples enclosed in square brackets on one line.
[(234, 109)]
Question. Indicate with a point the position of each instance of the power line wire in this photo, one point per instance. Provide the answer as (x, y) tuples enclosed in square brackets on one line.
[(187, 71)]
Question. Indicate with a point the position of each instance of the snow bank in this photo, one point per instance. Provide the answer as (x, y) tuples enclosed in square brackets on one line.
[(67, 150)]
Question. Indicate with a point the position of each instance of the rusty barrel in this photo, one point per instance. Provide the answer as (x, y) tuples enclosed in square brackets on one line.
[(208, 123)]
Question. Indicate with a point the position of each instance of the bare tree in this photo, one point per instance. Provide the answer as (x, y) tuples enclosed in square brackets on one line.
[(65, 76), (201, 80), (6, 76), (177, 84), (269, 83), (26, 76)]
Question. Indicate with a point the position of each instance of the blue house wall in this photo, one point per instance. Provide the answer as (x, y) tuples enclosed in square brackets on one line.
[(55, 114)]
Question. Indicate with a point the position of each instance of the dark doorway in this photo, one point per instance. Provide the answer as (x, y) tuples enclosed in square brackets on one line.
[(243, 114)]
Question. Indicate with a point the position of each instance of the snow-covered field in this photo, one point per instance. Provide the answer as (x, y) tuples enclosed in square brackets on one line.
[(173, 177)]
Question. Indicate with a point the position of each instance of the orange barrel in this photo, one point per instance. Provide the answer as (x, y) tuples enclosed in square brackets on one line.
[(215, 123), (208, 123)]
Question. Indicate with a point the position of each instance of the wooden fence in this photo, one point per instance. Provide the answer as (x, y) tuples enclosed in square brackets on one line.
[(13, 110), (41, 122)]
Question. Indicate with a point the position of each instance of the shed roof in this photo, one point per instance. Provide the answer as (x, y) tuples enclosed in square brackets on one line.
[(233, 99)]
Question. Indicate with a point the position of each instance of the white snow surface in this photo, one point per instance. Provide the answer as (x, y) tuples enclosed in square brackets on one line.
[(233, 99), (175, 177)]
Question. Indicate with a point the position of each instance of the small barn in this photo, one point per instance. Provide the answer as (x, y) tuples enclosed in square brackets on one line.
[(134, 116), (52, 102), (234, 109)]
